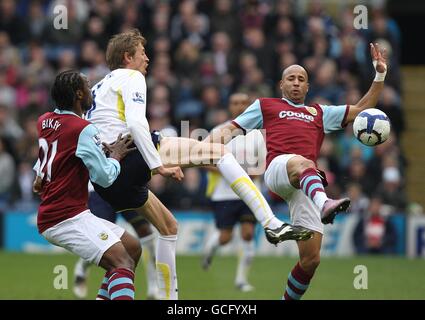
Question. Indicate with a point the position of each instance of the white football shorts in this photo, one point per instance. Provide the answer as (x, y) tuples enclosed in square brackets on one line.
[(303, 211), (85, 235)]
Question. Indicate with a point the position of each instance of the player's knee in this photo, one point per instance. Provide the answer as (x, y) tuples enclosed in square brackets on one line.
[(225, 238), (143, 230), (310, 263), (124, 260), (297, 166), (247, 236), (135, 252), (304, 164)]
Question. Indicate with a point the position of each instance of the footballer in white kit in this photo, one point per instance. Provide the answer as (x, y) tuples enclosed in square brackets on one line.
[(229, 210)]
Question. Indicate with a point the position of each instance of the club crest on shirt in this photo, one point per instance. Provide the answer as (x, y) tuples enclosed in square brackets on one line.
[(103, 236), (96, 139), (138, 97), (312, 110)]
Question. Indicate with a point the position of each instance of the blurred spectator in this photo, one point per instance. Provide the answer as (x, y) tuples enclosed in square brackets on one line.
[(200, 52), (327, 153), (25, 181), (36, 20), (225, 60), (7, 174), (347, 142), (159, 102), (359, 202), (188, 60), (382, 152), (10, 22), (324, 84), (254, 84), (390, 104), (255, 42), (277, 23), (95, 30), (391, 191), (374, 232), (189, 24), (357, 174), (251, 15), (7, 93), (211, 102), (224, 19), (27, 146), (9, 128)]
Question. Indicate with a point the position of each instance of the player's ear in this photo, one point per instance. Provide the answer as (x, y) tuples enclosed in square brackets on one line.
[(127, 58), (79, 94)]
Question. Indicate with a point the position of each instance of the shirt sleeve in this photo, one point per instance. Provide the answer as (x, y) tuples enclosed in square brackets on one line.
[(134, 97), (251, 118), (334, 117), (102, 170), (36, 168)]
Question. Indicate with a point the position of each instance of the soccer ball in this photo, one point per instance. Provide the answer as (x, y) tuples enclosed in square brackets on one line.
[(371, 127)]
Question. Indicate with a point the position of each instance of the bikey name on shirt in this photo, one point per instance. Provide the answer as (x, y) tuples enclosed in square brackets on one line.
[(48, 123)]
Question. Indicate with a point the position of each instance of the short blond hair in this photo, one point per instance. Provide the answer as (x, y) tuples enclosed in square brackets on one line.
[(121, 43)]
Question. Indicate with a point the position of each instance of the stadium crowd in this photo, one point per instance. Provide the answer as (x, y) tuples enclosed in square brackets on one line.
[(200, 52)]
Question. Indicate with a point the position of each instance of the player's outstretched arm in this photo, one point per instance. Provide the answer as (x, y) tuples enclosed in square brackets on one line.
[(370, 99)]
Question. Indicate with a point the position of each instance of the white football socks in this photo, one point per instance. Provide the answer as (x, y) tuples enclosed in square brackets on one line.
[(166, 267), (245, 261), (245, 188), (148, 258), (320, 199), (81, 268)]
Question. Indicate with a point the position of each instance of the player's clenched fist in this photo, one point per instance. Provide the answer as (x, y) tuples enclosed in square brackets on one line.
[(174, 172)]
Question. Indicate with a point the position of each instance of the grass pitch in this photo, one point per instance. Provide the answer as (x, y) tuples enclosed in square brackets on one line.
[(31, 276)]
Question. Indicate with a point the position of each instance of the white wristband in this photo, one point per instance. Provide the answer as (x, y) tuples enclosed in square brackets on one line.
[(379, 76)]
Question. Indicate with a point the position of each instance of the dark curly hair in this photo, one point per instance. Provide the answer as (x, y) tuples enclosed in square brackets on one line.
[(65, 87)]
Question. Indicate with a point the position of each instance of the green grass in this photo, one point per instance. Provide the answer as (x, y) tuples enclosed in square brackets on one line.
[(30, 276)]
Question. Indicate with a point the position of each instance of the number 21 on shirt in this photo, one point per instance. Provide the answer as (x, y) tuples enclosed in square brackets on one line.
[(46, 158)]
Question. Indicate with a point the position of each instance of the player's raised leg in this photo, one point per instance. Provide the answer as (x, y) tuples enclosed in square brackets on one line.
[(300, 276), (303, 175), (163, 220), (187, 152)]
